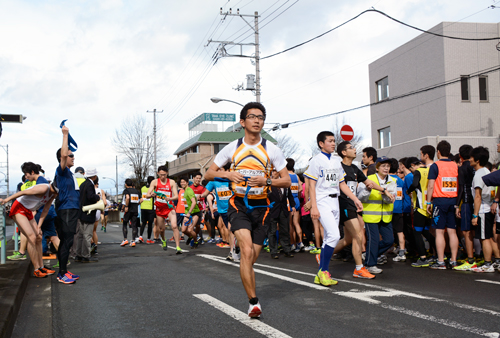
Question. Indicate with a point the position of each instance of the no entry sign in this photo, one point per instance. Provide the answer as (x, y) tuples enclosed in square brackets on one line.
[(346, 133)]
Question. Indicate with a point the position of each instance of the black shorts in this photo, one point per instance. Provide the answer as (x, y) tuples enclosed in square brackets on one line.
[(421, 222), (484, 228), (257, 221), (225, 219), (346, 215), (397, 223)]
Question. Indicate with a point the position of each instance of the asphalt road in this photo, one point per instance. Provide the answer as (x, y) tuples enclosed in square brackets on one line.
[(147, 292)]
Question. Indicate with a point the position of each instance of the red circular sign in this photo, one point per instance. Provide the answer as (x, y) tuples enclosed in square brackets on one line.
[(346, 133)]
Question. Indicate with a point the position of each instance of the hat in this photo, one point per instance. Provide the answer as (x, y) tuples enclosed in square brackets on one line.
[(91, 172), (80, 170), (383, 159)]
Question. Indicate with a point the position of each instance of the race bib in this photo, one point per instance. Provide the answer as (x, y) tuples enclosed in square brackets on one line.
[(353, 185), (295, 188), (241, 188), (450, 184), (163, 200), (331, 178), (399, 194), (223, 193), (134, 198), (493, 193), (144, 197)]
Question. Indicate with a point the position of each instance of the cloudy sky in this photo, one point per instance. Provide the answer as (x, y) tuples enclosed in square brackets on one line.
[(97, 63)]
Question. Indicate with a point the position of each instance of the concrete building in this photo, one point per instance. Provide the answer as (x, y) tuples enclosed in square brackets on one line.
[(462, 103)]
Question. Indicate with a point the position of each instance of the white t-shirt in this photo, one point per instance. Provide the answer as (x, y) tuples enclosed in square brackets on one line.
[(250, 160), (328, 173), (486, 193), (33, 202)]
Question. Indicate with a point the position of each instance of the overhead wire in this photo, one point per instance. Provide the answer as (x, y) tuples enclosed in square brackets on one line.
[(390, 99), (389, 17)]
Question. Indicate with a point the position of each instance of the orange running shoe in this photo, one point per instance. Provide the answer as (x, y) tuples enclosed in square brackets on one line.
[(132, 244), (47, 271), (125, 242), (39, 273), (363, 273)]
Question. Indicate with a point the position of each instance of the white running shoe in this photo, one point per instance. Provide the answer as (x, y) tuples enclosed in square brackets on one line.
[(399, 258), (374, 270), (254, 311)]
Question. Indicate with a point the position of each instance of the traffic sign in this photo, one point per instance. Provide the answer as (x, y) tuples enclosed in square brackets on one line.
[(346, 132)]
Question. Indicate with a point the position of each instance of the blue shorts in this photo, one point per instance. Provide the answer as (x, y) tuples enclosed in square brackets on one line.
[(297, 203), (225, 219), (443, 215), (466, 213), (49, 228)]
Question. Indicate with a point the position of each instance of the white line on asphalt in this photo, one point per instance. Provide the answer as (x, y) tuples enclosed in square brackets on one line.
[(487, 281), (388, 293), (173, 247), (243, 318), (389, 290)]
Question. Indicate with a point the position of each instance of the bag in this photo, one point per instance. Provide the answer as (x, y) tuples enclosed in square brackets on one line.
[(392, 187), (363, 193)]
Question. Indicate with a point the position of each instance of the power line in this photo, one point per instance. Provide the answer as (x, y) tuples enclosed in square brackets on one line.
[(415, 92), (389, 17)]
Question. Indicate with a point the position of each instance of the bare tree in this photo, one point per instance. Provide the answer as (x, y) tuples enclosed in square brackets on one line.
[(133, 141), (288, 146)]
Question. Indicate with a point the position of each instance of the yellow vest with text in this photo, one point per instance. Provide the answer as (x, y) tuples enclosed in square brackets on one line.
[(27, 185), (147, 204), (420, 195), (376, 210)]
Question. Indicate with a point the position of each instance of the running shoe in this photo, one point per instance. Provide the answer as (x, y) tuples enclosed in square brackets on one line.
[(104, 229), (224, 245), (465, 266), (132, 244), (178, 251), (453, 264), (496, 264), (316, 251), (172, 239), (381, 260), (254, 311), (72, 275), (266, 249), (363, 273), (293, 247), (318, 258), (236, 257), (275, 256), (300, 247), (188, 240), (438, 266), (196, 244), (211, 241), (191, 243), (93, 248), (309, 248), (229, 256), (219, 240), (66, 279), (164, 245), (17, 256), (324, 278), (374, 270), (141, 239), (399, 258), (125, 242), (208, 239), (150, 241), (56, 266), (432, 259), (39, 273), (421, 263), (47, 271), (485, 268)]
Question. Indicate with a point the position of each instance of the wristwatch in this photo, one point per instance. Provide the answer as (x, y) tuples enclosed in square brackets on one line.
[(269, 182), (474, 216)]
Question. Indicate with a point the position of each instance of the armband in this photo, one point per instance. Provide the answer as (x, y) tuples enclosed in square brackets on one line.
[(495, 202), (474, 216), (428, 203)]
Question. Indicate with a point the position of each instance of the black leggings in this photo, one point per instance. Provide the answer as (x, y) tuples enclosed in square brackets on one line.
[(307, 228), (421, 226), (132, 217), (66, 222), (147, 217)]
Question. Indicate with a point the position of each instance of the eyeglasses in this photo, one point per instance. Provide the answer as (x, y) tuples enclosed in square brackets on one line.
[(253, 117), (71, 155), (351, 147)]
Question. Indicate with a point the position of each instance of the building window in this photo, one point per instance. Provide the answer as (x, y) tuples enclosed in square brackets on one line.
[(464, 84), (382, 89), (218, 147), (384, 137), (483, 89), (195, 149)]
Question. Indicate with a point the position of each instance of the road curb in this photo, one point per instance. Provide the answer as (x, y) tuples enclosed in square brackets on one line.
[(14, 276)]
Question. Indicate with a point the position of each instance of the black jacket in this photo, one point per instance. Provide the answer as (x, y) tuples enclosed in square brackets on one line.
[(280, 205), (88, 196)]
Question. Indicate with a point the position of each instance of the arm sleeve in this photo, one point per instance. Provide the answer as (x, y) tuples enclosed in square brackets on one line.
[(415, 183), (433, 172), (461, 185)]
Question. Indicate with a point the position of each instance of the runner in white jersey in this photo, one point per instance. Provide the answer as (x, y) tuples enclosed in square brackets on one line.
[(327, 180), (252, 160)]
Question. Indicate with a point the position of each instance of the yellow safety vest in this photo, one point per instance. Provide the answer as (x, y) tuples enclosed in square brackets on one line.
[(420, 195), (27, 185), (80, 180), (376, 210), (147, 203)]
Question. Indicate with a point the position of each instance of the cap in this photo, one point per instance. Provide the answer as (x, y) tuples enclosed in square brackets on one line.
[(80, 170), (383, 159), (91, 172)]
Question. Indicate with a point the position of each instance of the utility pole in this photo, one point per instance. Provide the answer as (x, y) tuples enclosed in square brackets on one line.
[(154, 135), (116, 183), (222, 45)]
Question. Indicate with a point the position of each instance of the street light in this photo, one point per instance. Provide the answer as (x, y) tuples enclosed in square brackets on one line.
[(218, 99), (116, 186)]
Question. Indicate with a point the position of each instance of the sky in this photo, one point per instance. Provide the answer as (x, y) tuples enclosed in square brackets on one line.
[(98, 63)]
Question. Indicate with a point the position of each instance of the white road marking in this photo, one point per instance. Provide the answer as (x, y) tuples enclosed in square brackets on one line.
[(254, 324), (366, 296), (487, 281)]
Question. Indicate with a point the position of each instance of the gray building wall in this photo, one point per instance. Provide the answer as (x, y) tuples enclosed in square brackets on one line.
[(426, 61)]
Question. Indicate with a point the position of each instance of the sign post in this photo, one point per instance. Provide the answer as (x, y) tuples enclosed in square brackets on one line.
[(346, 132)]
